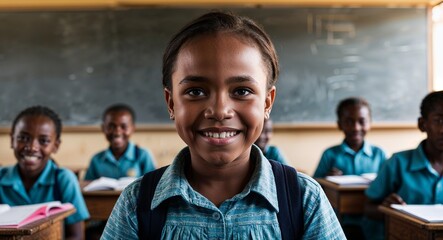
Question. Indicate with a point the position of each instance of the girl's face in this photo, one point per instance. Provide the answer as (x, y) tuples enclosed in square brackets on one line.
[(433, 126), (219, 98), (34, 139), (118, 128), (355, 122)]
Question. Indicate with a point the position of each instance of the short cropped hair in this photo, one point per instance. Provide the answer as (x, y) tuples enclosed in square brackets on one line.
[(119, 107), (351, 101), (40, 111), (429, 103)]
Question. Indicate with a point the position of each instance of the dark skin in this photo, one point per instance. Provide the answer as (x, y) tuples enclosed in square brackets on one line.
[(354, 122), (218, 103), (34, 140), (433, 148), (118, 127)]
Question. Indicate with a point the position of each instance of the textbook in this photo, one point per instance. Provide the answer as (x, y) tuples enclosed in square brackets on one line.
[(428, 213), (18, 216), (105, 183), (351, 179)]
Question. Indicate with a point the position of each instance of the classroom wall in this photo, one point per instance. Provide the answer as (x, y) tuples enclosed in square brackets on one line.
[(302, 146)]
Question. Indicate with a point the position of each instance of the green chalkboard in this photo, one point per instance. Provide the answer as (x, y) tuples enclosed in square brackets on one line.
[(78, 63)]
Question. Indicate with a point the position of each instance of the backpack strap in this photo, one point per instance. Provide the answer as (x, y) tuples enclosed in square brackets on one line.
[(290, 201), (57, 194), (150, 222)]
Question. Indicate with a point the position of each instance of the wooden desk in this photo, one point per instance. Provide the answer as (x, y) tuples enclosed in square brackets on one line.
[(402, 226), (47, 228), (99, 203), (345, 199)]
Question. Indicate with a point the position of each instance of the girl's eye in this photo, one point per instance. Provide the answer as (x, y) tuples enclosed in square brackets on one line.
[(44, 141), (242, 92), (22, 138), (195, 92)]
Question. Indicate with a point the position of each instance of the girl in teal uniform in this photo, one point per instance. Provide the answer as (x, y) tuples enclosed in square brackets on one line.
[(35, 135)]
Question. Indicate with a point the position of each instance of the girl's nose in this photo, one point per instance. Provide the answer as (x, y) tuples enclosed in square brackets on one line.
[(220, 108)]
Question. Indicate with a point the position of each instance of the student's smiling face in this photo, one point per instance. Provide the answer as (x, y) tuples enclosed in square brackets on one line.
[(33, 141), (355, 122), (118, 127), (219, 97)]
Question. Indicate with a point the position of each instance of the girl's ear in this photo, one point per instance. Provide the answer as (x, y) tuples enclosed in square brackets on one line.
[(56, 146), (269, 101), (421, 124), (169, 102)]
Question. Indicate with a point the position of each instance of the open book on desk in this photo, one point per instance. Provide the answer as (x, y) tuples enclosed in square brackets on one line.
[(105, 183), (428, 213), (364, 179), (18, 216)]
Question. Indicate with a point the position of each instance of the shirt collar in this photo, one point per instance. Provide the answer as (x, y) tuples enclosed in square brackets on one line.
[(366, 149), (419, 160), (174, 183), (12, 176), (129, 153)]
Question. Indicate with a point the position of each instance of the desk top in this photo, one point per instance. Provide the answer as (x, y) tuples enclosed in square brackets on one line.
[(37, 226), (409, 218), (98, 192), (325, 183)]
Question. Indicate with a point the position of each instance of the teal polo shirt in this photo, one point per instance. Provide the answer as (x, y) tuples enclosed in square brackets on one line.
[(134, 162), (368, 159), (272, 152), (13, 192), (410, 175)]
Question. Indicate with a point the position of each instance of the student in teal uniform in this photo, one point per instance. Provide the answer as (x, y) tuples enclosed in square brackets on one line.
[(270, 152), (219, 75), (123, 158), (36, 178), (354, 156), (414, 176)]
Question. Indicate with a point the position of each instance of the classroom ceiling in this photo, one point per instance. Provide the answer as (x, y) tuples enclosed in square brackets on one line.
[(58, 4)]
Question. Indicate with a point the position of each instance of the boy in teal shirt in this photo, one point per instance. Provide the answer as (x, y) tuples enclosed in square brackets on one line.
[(413, 176), (122, 158), (354, 156)]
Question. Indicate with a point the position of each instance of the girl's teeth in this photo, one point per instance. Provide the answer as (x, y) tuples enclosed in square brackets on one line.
[(219, 135)]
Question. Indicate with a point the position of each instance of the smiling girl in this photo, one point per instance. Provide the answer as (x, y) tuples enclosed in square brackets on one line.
[(219, 75), (35, 135)]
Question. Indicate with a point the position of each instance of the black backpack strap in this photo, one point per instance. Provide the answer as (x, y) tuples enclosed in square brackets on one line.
[(57, 194), (290, 201), (150, 223)]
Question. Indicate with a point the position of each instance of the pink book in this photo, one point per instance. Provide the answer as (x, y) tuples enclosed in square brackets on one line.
[(18, 216)]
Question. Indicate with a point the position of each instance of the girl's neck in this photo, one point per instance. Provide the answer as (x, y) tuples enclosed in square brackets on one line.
[(219, 184), (435, 157), (118, 152), (29, 178), (355, 146)]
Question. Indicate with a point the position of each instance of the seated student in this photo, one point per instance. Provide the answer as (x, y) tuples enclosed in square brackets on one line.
[(122, 158), (354, 156), (414, 176), (35, 135), (219, 75), (270, 152)]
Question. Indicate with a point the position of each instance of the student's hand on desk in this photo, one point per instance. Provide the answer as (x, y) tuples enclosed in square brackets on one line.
[(393, 199), (335, 172)]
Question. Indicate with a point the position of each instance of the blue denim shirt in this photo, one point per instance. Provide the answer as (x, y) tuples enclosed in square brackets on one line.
[(367, 160), (104, 164), (251, 214), (13, 192)]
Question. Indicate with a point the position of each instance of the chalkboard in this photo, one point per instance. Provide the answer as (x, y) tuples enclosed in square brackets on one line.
[(78, 63)]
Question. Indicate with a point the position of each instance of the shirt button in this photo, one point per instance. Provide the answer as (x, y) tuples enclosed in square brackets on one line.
[(216, 216)]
